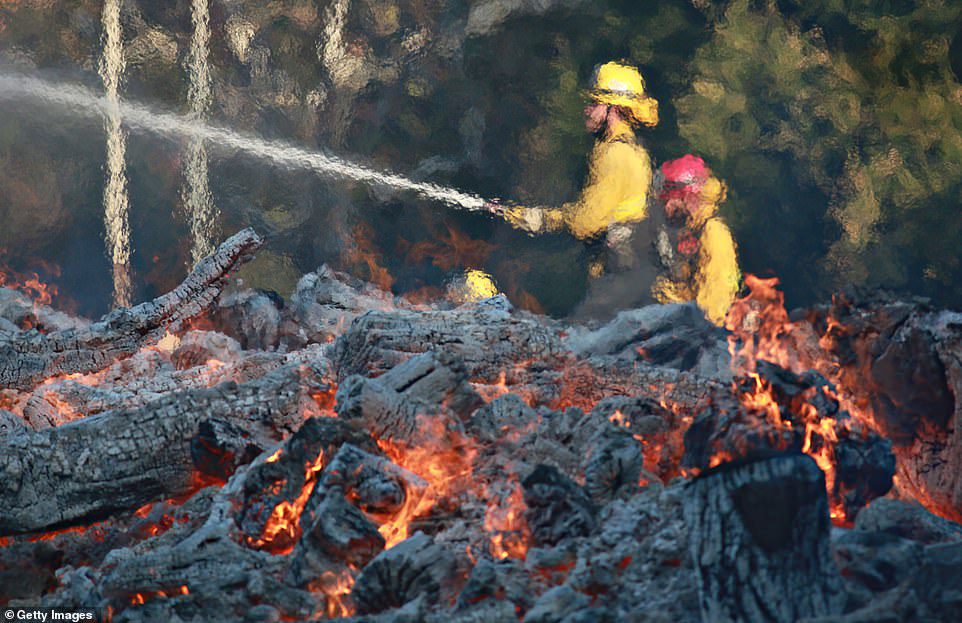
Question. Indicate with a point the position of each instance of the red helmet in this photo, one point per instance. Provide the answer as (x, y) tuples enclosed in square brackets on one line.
[(684, 177)]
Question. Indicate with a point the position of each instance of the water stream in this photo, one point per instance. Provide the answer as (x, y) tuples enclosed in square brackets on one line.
[(78, 100)]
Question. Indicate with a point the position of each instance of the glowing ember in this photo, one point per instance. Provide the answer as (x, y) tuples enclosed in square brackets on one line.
[(504, 522), (273, 458), (444, 462), (282, 529), (139, 599), (337, 589)]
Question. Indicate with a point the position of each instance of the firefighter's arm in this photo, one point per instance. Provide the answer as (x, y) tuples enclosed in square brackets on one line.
[(718, 274)]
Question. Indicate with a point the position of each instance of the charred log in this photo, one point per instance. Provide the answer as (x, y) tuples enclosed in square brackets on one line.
[(902, 360), (390, 406), (558, 508), (416, 568), (778, 411), (489, 341), (759, 536), (613, 465), (336, 535), (122, 459), (375, 485), (27, 359), (290, 474)]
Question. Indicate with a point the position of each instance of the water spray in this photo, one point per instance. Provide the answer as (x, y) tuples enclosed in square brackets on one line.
[(79, 100)]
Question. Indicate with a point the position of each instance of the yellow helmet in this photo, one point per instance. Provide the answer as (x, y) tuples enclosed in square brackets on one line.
[(615, 84), (472, 286)]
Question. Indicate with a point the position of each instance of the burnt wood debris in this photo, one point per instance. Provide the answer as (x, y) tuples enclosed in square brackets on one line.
[(220, 454)]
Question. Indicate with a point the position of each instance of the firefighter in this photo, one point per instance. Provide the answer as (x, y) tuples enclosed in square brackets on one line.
[(694, 246), (615, 198)]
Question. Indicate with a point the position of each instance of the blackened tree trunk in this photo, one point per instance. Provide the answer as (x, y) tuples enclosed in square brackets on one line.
[(759, 541)]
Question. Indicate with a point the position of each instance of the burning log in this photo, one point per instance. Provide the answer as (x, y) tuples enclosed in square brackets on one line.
[(22, 313), (122, 459), (147, 376), (276, 490), (759, 535), (204, 572), (900, 362), (778, 411), (336, 534), (27, 359), (373, 483)]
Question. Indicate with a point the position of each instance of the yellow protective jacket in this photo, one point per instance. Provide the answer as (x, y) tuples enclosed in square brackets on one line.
[(619, 180), (716, 279)]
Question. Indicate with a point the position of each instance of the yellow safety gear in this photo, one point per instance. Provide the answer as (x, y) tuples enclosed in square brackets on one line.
[(615, 84), (717, 279), (533, 220), (619, 178), (473, 286)]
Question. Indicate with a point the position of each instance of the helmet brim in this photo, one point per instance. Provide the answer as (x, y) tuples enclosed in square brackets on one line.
[(643, 109)]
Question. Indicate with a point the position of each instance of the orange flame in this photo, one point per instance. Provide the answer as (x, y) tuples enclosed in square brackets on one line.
[(283, 525), (444, 462), (31, 284), (337, 589), (761, 330), (362, 253), (759, 322), (505, 523)]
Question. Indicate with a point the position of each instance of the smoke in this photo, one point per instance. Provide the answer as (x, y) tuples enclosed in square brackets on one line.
[(202, 215), (115, 191), (82, 101)]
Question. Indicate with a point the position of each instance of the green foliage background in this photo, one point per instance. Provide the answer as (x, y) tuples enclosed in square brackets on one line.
[(837, 125)]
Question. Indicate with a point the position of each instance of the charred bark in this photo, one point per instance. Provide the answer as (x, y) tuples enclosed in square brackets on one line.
[(759, 541), (903, 361), (489, 340), (29, 358), (122, 459), (417, 567), (392, 406)]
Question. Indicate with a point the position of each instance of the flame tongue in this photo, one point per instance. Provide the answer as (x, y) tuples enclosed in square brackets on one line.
[(444, 461), (779, 385)]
